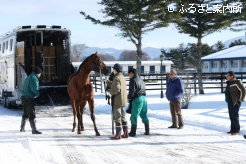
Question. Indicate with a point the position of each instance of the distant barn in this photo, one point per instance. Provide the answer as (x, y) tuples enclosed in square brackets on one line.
[(147, 66), (231, 59)]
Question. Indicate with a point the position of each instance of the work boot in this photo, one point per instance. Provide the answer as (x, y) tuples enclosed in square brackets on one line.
[(118, 133), (173, 126), (181, 127), (23, 123), (133, 131), (125, 130), (229, 132), (33, 126), (146, 125), (234, 133)]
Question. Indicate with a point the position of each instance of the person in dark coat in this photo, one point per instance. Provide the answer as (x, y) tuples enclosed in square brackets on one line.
[(234, 95), (137, 97), (174, 93), (30, 91)]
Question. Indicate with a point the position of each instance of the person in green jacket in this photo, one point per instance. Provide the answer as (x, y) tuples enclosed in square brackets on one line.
[(30, 91)]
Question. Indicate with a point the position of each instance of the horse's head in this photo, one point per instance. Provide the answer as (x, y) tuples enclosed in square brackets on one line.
[(98, 64)]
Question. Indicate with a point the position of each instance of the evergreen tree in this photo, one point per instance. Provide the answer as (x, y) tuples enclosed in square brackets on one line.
[(134, 18), (239, 19), (200, 18), (193, 49), (218, 46), (237, 42), (178, 56)]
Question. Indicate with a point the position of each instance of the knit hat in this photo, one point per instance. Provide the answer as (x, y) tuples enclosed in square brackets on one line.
[(133, 70), (117, 67), (38, 70), (231, 73)]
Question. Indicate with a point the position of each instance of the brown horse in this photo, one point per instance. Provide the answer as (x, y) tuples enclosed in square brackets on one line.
[(80, 89)]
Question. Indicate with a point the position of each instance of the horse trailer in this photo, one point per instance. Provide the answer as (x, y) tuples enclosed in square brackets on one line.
[(26, 47)]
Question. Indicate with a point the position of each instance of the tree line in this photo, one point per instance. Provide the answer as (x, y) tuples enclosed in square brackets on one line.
[(180, 56)]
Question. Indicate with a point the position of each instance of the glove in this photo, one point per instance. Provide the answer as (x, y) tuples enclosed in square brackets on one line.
[(129, 108)]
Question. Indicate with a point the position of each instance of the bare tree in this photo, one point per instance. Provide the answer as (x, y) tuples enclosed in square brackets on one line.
[(130, 55), (76, 49), (107, 57)]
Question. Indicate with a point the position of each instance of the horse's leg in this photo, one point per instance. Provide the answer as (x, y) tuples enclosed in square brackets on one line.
[(82, 106), (78, 117), (74, 114), (91, 105)]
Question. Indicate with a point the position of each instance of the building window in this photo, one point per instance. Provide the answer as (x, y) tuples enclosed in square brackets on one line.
[(7, 45), (205, 65), (130, 67), (142, 69), (244, 63), (152, 69), (223, 64), (163, 69), (3, 47), (214, 64), (11, 44), (234, 63)]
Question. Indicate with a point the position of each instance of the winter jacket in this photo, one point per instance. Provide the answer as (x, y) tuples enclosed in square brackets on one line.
[(175, 89), (118, 90), (234, 92), (136, 88), (30, 88)]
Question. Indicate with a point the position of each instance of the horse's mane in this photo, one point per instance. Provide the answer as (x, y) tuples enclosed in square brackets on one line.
[(85, 61)]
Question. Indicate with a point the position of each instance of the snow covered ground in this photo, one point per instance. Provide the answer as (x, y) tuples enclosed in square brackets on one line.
[(203, 139)]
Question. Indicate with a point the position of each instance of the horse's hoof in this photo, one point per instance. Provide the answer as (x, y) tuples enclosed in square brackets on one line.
[(72, 130), (82, 129), (79, 133), (98, 134)]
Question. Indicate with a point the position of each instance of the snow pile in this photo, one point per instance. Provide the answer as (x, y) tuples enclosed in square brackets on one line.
[(203, 139)]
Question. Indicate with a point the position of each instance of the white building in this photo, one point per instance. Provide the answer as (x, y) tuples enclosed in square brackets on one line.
[(147, 66), (231, 59)]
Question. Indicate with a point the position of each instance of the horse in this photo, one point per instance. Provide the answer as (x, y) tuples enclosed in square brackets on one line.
[(80, 89)]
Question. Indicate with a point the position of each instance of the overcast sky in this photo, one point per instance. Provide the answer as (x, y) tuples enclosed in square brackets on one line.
[(16, 13)]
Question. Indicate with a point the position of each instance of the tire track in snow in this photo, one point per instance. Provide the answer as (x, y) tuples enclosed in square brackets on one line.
[(70, 153)]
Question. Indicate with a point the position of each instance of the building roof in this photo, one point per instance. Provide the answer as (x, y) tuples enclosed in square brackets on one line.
[(235, 52)]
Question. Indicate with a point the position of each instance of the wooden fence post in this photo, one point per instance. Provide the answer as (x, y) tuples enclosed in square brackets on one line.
[(95, 82), (195, 83), (221, 82)]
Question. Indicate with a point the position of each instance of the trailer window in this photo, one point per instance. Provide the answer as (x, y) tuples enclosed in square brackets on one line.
[(11, 44)]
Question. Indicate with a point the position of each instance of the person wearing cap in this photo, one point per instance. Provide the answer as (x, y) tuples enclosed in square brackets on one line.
[(234, 95), (137, 97), (119, 100), (30, 91)]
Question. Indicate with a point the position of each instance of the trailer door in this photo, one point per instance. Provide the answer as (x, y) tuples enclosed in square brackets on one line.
[(20, 64)]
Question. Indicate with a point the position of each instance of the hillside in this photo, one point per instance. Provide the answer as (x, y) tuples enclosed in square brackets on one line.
[(152, 52)]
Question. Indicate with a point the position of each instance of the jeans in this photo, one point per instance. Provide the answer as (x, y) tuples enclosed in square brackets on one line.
[(234, 116)]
